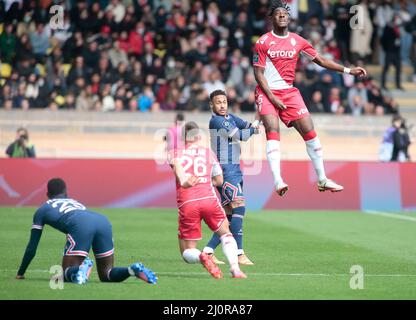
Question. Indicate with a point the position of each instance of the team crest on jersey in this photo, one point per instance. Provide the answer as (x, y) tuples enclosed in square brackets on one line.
[(255, 57), (226, 123), (272, 43), (293, 41)]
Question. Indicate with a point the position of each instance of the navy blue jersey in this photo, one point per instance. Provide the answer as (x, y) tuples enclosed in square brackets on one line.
[(226, 132), (61, 214), (83, 229)]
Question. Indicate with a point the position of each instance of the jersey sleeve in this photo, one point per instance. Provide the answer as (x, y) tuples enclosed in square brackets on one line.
[(308, 49), (38, 219), (259, 54), (30, 251), (216, 168), (241, 124)]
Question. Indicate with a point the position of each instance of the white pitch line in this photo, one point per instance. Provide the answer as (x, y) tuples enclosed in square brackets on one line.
[(261, 274), (293, 274), (391, 215)]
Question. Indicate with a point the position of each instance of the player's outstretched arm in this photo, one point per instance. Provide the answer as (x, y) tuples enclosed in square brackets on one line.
[(244, 134), (332, 65), (29, 253), (244, 130), (256, 125)]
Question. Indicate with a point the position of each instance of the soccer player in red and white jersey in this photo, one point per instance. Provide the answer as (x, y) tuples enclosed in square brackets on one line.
[(197, 171), (274, 61)]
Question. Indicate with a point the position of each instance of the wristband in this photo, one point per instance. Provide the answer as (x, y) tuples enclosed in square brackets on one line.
[(347, 70)]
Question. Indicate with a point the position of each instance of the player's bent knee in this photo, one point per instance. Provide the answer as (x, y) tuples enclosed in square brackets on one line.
[(238, 203), (224, 229), (104, 277), (309, 135), (191, 255), (273, 135), (103, 274)]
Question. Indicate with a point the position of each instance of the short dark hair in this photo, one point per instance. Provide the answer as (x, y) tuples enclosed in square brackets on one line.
[(180, 117), (191, 130), (397, 117), (56, 187), (23, 132), (217, 93), (277, 4)]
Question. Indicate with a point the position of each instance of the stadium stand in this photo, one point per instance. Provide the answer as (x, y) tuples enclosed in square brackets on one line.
[(165, 55)]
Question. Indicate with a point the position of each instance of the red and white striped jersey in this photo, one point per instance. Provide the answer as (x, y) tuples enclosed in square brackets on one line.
[(279, 56)]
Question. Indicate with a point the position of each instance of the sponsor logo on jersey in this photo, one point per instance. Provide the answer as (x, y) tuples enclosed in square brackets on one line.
[(302, 111), (255, 57), (281, 53)]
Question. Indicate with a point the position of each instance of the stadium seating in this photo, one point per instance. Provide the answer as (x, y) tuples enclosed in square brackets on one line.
[(66, 68), (5, 70)]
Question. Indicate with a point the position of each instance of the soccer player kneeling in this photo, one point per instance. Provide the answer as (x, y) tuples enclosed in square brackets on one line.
[(84, 229), (197, 171)]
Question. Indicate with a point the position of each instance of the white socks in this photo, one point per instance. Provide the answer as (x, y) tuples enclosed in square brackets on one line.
[(131, 272), (191, 255), (229, 247), (208, 250), (273, 156), (314, 149)]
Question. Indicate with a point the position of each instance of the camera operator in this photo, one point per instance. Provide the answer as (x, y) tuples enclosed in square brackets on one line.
[(21, 148), (402, 142)]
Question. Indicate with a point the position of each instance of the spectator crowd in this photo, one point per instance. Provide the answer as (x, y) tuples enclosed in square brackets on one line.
[(154, 55)]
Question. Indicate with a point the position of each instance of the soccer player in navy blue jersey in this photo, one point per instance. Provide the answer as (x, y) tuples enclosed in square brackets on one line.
[(84, 229), (226, 132)]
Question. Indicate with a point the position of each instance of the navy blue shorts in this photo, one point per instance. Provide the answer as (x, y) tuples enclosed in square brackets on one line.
[(231, 190), (90, 230)]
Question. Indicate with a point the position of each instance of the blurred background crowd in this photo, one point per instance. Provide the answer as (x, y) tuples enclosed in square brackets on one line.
[(154, 55)]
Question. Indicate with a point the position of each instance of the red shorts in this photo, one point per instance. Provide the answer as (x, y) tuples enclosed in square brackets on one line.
[(191, 214), (291, 98)]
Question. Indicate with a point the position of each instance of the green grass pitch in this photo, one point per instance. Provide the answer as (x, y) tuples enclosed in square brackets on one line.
[(297, 255)]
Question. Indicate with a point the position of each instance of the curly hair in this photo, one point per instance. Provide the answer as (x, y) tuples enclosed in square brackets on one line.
[(277, 4)]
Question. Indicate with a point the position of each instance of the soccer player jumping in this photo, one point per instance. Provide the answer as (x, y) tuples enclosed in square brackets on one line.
[(274, 61)]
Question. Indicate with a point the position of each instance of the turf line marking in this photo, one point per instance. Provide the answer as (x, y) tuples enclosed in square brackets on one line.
[(391, 215), (260, 274), (293, 274)]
